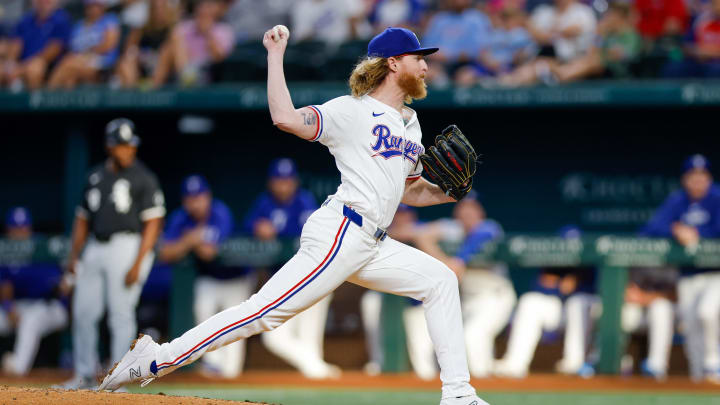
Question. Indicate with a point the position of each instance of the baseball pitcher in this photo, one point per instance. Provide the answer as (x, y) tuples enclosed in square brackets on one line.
[(377, 144)]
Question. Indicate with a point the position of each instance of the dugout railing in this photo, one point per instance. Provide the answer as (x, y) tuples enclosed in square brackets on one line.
[(611, 255)]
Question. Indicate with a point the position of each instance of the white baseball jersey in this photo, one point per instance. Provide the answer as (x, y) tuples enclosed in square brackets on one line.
[(375, 151)]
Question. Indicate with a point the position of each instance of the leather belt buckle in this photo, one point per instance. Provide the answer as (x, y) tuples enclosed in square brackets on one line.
[(380, 234)]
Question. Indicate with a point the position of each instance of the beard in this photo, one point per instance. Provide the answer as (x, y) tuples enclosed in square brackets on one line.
[(414, 87)]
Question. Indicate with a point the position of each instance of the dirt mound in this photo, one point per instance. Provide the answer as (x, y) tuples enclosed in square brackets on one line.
[(43, 396)]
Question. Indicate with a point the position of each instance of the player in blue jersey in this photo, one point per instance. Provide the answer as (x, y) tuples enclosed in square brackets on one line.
[(197, 228), (487, 293), (688, 215), (281, 212), (31, 303)]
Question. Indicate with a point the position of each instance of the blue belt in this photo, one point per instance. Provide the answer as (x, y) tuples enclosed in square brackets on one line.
[(357, 219), (353, 216)]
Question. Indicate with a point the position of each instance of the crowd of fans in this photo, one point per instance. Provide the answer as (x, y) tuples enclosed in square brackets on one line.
[(149, 43)]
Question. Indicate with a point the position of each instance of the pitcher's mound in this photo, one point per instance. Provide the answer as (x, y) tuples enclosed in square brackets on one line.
[(47, 396)]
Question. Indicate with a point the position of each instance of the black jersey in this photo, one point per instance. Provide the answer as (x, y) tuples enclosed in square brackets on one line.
[(120, 202)]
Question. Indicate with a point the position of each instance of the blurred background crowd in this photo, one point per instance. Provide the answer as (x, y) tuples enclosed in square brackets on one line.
[(672, 307), (59, 44)]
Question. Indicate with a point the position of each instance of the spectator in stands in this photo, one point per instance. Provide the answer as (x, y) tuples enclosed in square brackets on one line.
[(648, 305), (250, 26), (135, 14), (197, 229), (697, 7), (564, 32), (144, 44), (688, 215), (281, 212), (656, 19), (329, 21), (618, 47), (31, 303), (195, 45), (36, 42), (561, 296), (488, 296), (93, 45), (458, 31), (702, 57), (506, 45), (10, 13), (662, 25), (396, 13)]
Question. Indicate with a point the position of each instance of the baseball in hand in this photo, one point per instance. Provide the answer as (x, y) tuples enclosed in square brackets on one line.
[(276, 30)]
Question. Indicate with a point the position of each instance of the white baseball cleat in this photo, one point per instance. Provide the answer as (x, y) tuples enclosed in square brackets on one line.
[(138, 364), (468, 400)]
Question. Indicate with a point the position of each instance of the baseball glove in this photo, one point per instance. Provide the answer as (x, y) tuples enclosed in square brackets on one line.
[(451, 162)]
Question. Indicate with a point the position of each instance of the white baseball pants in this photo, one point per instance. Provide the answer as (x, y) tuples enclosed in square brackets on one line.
[(370, 311), (101, 283), (699, 311), (212, 296), (37, 318), (537, 312), (419, 343), (658, 318), (488, 301), (300, 340), (334, 250), (582, 310)]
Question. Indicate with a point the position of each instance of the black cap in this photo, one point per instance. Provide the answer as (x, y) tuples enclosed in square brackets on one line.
[(121, 131)]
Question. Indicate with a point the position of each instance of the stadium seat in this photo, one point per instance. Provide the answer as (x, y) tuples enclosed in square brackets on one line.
[(306, 61), (247, 62), (341, 62)]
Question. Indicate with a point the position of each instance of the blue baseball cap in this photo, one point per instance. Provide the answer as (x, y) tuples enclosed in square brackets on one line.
[(570, 232), (282, 168), (696, 161), (17, 217), (194, 185), (396, 41)]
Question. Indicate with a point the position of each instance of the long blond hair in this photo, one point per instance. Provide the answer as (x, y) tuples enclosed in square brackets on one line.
[(367, 75)]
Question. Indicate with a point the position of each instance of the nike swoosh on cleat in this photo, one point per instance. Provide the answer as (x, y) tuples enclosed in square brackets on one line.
[(377, 115)]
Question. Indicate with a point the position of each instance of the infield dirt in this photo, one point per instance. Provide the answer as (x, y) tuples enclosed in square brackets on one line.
[(45, 396)]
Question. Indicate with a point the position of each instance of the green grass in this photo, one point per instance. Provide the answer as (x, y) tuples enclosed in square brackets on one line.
[(301, 396)]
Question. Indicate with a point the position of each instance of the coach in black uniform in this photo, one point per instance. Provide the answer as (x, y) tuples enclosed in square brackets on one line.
[(120, 217)]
